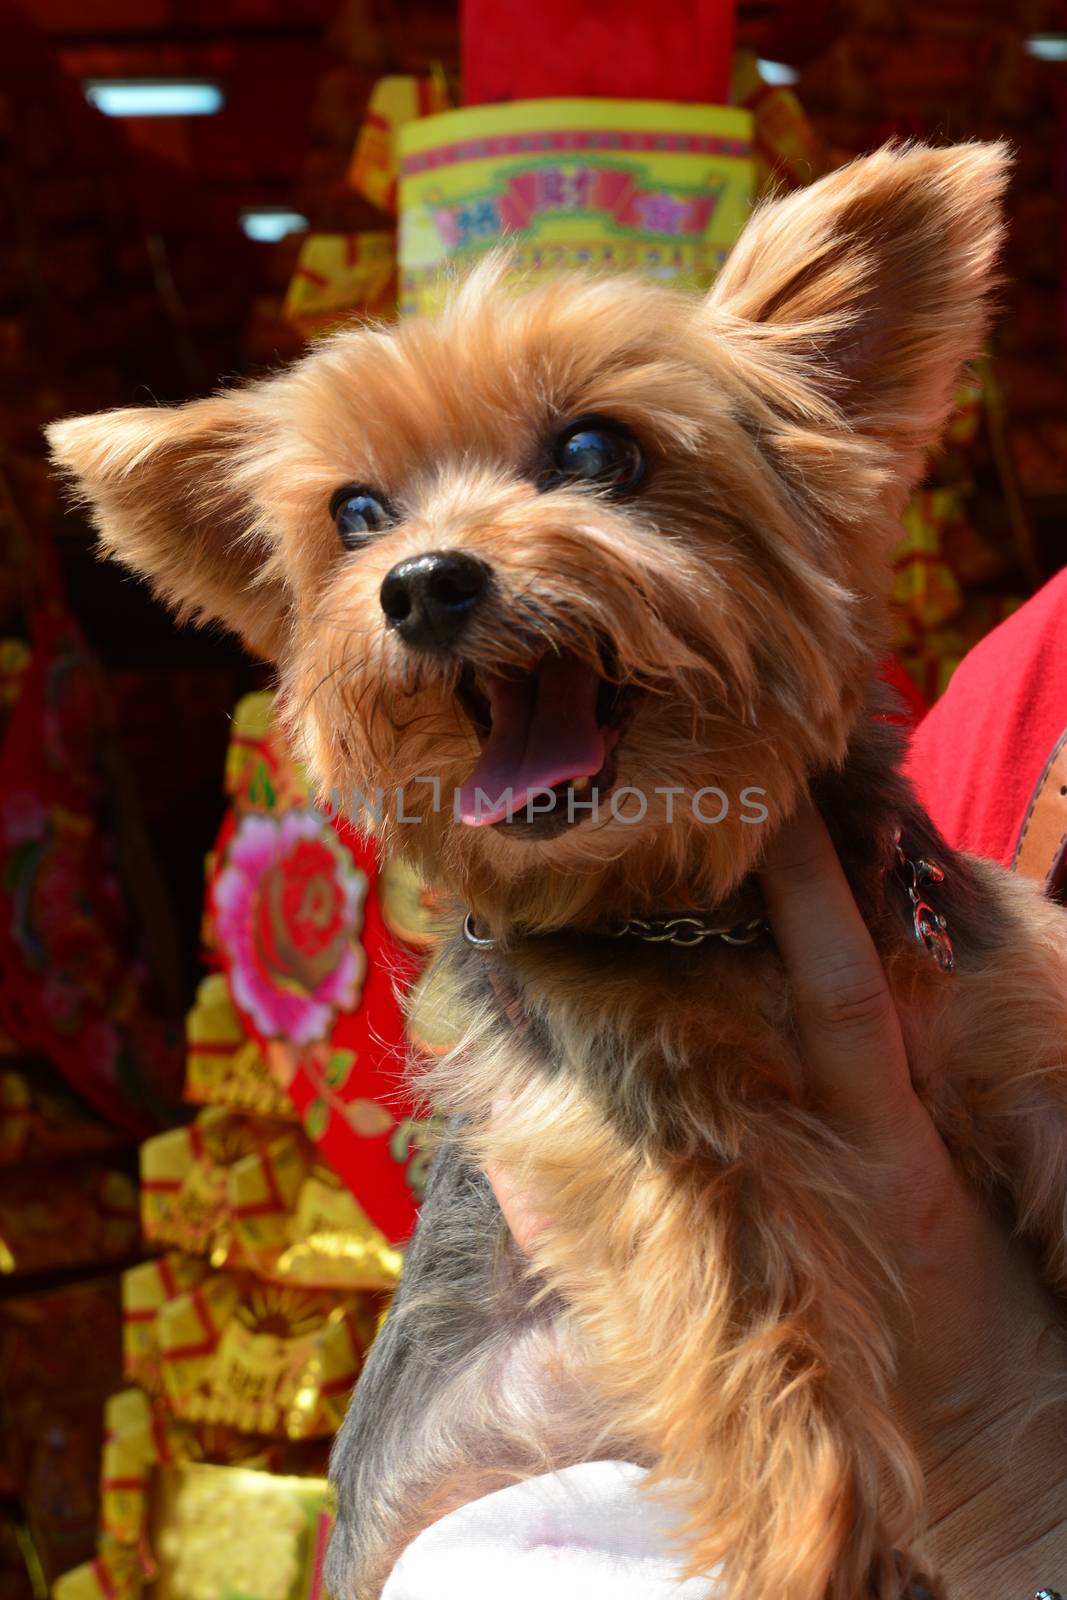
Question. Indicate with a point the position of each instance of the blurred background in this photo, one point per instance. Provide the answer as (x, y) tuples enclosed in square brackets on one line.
[(190, 192)]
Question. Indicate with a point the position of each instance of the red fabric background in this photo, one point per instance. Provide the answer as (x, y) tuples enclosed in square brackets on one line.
[(976, 757), (629, 50)]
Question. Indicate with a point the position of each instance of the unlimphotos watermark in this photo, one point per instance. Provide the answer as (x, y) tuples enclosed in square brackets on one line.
[(628, 806)]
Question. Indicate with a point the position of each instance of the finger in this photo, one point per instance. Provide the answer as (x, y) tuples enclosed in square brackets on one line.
[(851, 1040)]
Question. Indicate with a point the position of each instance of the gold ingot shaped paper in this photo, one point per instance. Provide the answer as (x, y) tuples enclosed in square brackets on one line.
[(145, 1290), (186, 1189), (217, 1533), (116, 1573), (254, 1195), (262, 1358), (224, 1067), (341, 276), (334, 1241)]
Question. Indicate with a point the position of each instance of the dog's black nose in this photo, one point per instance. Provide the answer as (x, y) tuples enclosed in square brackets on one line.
[(430, 599)]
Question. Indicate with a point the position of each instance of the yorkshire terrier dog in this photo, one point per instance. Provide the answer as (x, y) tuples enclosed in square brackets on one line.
[(595, 577)]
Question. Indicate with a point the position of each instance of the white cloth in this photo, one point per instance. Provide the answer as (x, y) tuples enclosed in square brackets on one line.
[(577, 1534)]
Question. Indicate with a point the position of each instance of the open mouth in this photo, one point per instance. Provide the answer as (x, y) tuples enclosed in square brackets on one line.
[(548, 740)]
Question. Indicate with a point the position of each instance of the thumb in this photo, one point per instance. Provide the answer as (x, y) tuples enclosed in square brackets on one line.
[(850, 1035)]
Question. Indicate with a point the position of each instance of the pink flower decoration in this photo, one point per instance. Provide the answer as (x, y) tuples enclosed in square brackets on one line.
[(288, 910)]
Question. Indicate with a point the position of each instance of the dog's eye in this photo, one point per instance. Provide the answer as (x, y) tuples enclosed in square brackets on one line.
[(358, 513), (594, 450)]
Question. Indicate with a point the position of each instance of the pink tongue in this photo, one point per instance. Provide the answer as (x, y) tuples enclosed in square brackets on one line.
[(544, 731)]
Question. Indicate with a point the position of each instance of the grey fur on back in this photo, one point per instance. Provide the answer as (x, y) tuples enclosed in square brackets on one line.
[(463, 1294)]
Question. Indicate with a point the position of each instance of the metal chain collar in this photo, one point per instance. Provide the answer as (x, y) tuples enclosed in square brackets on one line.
[(685, 931), (689, 930)]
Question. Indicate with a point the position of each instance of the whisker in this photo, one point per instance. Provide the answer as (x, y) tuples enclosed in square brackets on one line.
[(345, 664)]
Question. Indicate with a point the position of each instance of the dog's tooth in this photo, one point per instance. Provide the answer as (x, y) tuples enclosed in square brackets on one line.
[(580, 785)]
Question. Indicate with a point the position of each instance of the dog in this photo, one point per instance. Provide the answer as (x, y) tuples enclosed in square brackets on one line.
[(567, 568)]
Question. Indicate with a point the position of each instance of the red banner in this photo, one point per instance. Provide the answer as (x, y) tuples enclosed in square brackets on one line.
[(629, 50)]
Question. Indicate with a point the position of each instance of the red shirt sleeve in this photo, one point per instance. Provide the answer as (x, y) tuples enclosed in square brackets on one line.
[(978, 754)]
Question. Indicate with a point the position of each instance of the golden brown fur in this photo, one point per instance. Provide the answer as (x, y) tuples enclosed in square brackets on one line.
[(712, 1298)]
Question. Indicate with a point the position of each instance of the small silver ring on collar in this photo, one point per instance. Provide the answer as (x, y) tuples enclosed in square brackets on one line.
[(473, 938)]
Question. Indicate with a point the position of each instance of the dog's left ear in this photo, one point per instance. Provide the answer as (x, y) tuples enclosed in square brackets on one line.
[(873, 284), (163, 487)]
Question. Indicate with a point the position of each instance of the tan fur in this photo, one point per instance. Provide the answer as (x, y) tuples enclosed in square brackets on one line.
[(725, 1306), (699, 1339)]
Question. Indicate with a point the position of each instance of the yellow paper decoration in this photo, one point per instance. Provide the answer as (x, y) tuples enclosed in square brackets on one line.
[(254, 1195), (261, 775), (138, 1433), (334, 1241), (222, 1532), (224, 1066), (184, 1198), (394, 102), (341, 276), (260, 1358), (115, 1574), (788, 151), (145, 1290), (620, 185)]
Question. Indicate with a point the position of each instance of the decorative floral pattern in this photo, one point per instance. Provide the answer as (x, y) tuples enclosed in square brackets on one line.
[(24, 819), (283, 923), (77, 958), (288, 910)]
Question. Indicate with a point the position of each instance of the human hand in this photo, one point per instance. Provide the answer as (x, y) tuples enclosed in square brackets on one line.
[(980, 1352)]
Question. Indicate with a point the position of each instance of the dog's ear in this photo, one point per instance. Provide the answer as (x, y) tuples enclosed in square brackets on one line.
[(163, 488), (873, 283)]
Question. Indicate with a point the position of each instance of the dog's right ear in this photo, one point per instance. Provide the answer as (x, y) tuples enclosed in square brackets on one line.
[(163, 487), (872, 286)]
